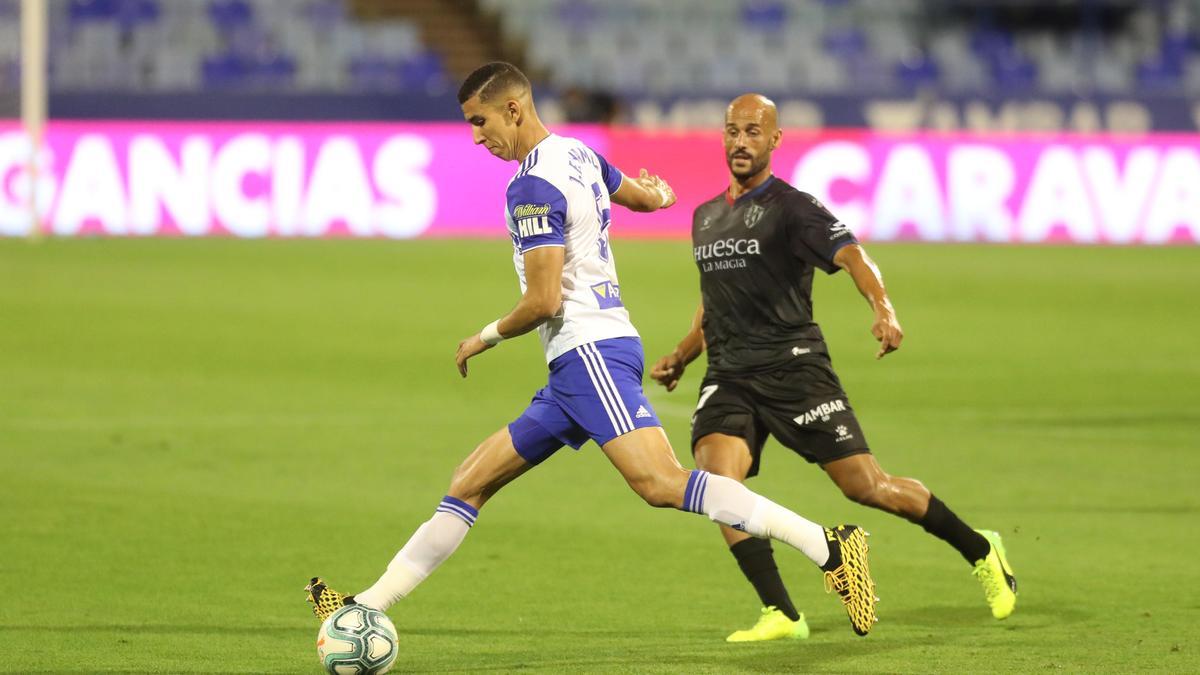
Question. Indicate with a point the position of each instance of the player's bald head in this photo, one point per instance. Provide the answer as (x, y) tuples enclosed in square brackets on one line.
[(495, 82), (751, 135), (754, 108)]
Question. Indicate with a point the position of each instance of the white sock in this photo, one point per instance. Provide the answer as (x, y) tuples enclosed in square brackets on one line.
[(433, 542), (728, 502)]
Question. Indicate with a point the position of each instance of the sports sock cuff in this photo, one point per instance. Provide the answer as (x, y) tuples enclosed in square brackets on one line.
[(457, 507), (693, 494), (754, 555), (751, 545)]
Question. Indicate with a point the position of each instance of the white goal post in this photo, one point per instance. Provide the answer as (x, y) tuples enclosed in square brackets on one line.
[(33, 96)]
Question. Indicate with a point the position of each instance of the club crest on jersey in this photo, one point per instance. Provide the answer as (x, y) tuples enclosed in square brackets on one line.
[(753, 215), (608, 295)]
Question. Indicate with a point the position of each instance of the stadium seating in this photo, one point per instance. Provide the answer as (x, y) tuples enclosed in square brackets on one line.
[(696, 47), (255, 45), (849, 46)]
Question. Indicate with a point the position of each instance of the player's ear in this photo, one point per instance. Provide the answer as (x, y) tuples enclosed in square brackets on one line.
[(776, 138), (512, 108)]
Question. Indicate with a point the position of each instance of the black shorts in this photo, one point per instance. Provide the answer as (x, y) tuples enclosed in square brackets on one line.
[(802, 406)]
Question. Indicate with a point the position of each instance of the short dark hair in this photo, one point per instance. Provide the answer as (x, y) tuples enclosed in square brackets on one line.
[(491, 79)]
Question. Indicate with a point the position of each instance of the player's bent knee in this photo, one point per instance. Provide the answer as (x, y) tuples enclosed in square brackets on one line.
[(865, 492), (463, 485), (883, 493), (469, 482), (714, 462), (657, 492), (723, 457)]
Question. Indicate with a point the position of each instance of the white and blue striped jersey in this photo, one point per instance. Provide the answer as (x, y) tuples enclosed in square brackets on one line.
[(560, 197)]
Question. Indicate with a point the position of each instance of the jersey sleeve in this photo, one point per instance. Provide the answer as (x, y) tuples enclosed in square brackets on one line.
[(538, 211), (816, 234), (611, 175)]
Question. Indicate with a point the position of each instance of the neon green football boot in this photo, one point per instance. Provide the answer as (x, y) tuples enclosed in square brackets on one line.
[(772, 625), (996, 576)]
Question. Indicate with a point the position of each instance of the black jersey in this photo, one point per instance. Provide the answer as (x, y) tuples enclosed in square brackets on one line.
[(756, 257)]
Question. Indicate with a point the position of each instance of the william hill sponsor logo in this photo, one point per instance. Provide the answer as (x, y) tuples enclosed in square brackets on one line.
[(530, 210)]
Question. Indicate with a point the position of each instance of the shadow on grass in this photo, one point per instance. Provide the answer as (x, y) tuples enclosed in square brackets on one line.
[(714, 656), (610, 650), (946, 617), (613, 650)]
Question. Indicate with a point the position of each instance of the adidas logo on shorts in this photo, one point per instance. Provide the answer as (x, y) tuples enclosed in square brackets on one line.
[(642, 412)]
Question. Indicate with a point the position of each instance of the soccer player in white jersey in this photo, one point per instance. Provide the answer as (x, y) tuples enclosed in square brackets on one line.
[(558, 215)]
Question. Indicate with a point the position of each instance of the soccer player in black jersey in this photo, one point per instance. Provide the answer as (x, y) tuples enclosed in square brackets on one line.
[(757, 245)]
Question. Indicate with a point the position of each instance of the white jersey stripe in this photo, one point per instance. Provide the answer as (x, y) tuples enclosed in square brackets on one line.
[(606, 394), (618, 406), (599, 390), (621, 409)]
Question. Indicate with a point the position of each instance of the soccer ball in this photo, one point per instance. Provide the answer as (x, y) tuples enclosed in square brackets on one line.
[(357, 640)]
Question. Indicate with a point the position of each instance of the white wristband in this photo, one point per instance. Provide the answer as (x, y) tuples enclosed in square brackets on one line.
[(491, 333)]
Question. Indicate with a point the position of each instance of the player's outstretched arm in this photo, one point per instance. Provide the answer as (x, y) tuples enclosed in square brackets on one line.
[(886, 327), (541, 301), (669, 369), (645, 193)]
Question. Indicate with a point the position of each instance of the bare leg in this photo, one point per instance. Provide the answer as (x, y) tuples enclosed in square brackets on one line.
[(645, 459), (863, 481), (492, 465), (730, 456), (727, 456)]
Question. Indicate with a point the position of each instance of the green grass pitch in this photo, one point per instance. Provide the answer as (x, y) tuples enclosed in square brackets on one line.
[(190, 429)]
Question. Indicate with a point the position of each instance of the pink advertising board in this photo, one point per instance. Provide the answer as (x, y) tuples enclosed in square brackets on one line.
[(429, 180)]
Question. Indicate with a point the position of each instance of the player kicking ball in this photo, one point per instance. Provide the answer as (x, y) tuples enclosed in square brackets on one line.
[(769, 372), (558, 215)]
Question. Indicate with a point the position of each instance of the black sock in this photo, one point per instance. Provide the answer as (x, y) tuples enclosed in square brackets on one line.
[(757, 561), (941, 522)]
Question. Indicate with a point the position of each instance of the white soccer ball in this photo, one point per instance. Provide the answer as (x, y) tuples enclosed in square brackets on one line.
[(357, 640)]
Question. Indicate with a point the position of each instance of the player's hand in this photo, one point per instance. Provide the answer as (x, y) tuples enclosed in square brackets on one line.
[(887, 330), (657, 185), (668, 371), (468, 348)]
